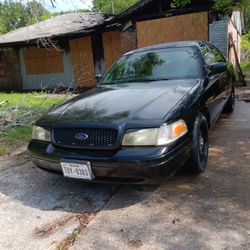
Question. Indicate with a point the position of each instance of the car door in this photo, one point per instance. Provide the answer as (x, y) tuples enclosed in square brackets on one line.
[(215, 89), (225, 78)]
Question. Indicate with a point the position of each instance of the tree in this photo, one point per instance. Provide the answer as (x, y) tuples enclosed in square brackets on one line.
[(14, 14), (221, 6), (112, 6), (247, 17), (227, 6), (175, 4), (36, 12)]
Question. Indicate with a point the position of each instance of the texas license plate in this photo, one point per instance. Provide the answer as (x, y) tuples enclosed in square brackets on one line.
[(77, 170)]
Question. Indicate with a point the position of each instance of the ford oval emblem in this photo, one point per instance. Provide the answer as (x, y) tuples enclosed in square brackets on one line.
[(81, 136)]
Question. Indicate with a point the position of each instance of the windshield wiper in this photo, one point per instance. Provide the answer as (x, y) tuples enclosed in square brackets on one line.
[(156, 79), (145, 80), (131, 80)]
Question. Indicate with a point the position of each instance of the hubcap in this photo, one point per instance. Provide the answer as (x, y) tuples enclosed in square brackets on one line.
[(201, 143), (233, 99), (203, 148)]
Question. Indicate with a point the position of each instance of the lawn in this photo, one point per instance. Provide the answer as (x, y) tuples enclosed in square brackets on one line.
[(18, 112), (245, 46), (245, 66)]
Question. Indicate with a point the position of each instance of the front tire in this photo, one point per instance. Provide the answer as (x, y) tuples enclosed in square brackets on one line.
[(198, 160)]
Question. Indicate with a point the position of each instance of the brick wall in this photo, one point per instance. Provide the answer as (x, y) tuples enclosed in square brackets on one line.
[(218, 34), (10, 78)]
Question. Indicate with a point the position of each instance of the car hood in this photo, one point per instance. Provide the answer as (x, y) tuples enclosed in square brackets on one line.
[(124, 104)]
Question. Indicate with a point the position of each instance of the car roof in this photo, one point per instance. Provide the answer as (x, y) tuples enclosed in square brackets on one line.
[(169, 45)]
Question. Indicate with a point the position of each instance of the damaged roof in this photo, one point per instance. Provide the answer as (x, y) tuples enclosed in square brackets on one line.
[(134, 8), (143, 7), (66, 24)]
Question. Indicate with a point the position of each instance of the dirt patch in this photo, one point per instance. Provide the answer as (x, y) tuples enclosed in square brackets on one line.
[(84, 220), (243, 94), (17, 158), (48, 231), (135, 244)]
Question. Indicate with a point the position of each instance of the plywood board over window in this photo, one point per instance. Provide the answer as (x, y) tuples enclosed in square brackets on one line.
[(42, 61), (2, 71), (112, 47), (82, 62), (192, 26)]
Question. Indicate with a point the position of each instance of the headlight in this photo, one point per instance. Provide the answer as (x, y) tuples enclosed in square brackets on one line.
[(156, 136), (144, 137), (41, 134)]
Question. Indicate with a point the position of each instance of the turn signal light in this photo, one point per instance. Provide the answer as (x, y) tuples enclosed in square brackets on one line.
[(179, 129)]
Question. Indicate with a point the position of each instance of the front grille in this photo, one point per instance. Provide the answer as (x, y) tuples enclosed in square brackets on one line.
[(76, 137)]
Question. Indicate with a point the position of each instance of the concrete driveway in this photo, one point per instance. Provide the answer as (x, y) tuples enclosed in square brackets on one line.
[(211, 211)]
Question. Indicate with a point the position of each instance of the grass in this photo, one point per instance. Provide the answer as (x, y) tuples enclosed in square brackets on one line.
[(17, 115), (14, 138), (33, 100), (245, 45), (245, 41), (245, 66)]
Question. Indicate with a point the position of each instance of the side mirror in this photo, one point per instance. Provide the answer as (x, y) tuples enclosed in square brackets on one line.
[(209, 58), (217, 68), (98, 77)]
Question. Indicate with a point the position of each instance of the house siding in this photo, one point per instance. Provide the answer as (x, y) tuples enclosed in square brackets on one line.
[(237, 22), (218, 34), (237, 43), (40, 81), (10, 78)]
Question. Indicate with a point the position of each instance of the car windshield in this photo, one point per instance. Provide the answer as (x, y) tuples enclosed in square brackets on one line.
[(156, 65)]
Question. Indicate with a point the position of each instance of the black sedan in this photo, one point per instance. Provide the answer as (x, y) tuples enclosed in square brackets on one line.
[(148, 116)]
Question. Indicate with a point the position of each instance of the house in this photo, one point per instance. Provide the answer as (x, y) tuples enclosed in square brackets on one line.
[(72, 48), (155, 22), (68, 49)]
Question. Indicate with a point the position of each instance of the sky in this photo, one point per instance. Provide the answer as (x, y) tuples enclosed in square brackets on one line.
[(65, 5)]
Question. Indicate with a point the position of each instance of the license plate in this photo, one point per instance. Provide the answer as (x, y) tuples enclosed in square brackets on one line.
[(77, 170)]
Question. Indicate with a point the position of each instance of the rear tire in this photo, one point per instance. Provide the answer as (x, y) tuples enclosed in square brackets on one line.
[(198, 160), (229, 107)]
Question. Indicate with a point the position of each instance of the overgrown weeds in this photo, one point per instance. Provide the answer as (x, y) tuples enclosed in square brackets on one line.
[(18, 113), (245, 52)]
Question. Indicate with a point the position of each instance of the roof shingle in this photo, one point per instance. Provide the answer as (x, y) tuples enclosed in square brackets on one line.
[(54, 27)]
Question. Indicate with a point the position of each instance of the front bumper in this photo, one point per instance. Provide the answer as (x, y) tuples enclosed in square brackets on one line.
[(126, 165)]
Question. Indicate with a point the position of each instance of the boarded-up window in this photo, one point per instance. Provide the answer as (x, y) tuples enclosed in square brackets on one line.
[(2, 71), (112, 47), (42, 61), (170, 29), (82, 62)]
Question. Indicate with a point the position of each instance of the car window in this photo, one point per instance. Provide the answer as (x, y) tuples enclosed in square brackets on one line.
[(171, 63), (219, 57), (204, 49)]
